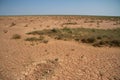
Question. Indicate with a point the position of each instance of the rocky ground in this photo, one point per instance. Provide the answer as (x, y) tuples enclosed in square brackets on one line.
[(55, 59)]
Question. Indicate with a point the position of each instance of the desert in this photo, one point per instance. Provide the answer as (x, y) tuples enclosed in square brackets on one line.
[(59, 48)]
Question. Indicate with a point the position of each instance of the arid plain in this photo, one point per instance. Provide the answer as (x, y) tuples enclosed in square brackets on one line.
[(56, 48)]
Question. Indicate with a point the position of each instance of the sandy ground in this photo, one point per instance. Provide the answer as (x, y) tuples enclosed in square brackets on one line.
[(57, 59)]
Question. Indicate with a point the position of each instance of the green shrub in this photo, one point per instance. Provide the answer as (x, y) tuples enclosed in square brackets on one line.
[(90, 40), (115, 43)]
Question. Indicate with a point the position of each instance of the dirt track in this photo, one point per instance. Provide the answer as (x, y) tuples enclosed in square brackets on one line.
[(56, 60)]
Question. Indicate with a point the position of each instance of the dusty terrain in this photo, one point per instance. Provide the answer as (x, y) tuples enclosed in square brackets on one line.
[(56, 59)]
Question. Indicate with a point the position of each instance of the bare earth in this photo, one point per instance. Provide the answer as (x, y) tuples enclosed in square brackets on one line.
[(57, 59)]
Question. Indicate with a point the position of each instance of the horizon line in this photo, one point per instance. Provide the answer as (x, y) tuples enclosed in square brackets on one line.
[(60, 15)]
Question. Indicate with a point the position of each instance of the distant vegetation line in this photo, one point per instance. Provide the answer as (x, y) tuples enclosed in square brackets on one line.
[(95, 37)]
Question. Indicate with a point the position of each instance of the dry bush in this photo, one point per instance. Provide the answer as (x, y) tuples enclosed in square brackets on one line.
[(45, 41), (40, 39), (12, 24), (16, 36), (32, 39), (69, 23)]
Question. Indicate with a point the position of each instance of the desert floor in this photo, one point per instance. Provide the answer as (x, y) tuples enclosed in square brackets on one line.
[(57, 59)]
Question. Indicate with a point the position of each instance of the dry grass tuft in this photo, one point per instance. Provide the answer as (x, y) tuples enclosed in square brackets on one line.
[(41, 39), (12, 24), (16, 36)]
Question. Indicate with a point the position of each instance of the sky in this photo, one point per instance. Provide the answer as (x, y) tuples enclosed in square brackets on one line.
[(60, 7)]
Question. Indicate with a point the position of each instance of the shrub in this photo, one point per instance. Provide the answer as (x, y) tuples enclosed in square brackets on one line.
[(32, 39), (77, 39), (41, 39), (12, 24), (90, 40), (96, 45), (45, 41), (84, 40), (115, 43), (67, 30), (58, 37), (99, 43), (54, 30), (16, 36), (56, 59), (93, 30), (70, 23), (102, 42), (99, 37), (36, 33)]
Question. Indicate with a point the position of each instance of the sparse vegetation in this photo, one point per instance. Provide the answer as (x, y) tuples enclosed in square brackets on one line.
[(40, 39), (32, 39), (88, 40), (95, 37), (52, 51), (12, 24), (70, 23), (16, 36), (45, 41), (89, 21)]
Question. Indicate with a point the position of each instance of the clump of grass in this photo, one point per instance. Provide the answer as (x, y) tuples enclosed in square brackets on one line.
[(32, 39), (88, 40), (12, 24), (99, 37), (16, 36), (114, 43), (89, 21), (56, 59), (70, 23), (95, 37), (45, 41), (54, 30), (40, 39)]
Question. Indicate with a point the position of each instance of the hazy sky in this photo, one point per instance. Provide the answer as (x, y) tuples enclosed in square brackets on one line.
[(60, 7)]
